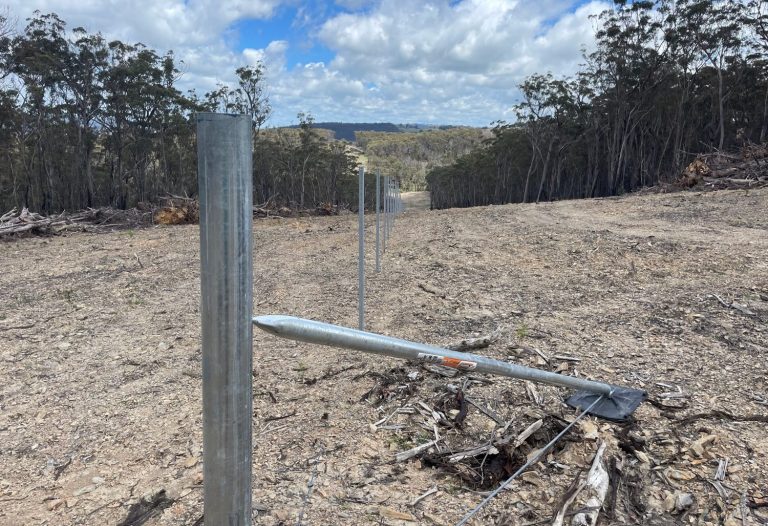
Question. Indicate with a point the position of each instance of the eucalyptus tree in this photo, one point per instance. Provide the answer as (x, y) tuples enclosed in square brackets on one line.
[(666, 80), (716, 30)]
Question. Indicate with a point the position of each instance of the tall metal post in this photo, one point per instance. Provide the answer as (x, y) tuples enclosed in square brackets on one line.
[(224, 150), (378, 250), (393, 198), (361, 249), (386, 208)]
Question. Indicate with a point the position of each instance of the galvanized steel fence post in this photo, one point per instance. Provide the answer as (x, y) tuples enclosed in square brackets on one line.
[(361, 248), (389, 207), (385, 207), (378, 250), (224, 150)]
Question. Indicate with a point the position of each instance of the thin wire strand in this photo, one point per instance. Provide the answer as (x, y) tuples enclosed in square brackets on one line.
[(527, 464)]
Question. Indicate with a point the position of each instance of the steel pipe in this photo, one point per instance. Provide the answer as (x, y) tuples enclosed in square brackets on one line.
[(378, 221), (361, 249), (326, 334), (224, 150)]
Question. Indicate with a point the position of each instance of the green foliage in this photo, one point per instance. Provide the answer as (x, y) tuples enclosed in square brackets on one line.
[(303, 169), (411, 155), (91, 123)]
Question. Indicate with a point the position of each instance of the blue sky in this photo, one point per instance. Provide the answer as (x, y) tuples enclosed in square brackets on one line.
[(434, 61), (285, 25)]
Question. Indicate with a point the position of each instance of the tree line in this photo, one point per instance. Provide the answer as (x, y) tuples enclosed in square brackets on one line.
[(87, 122), (411, 155), (668, 79)]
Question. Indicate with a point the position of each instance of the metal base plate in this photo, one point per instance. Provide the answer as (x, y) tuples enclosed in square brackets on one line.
[(617, 408)]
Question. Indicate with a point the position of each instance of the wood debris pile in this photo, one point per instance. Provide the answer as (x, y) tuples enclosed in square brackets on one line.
[(174, 210), (270, 209), (177, 210), (14, 223), (720, 170), (475, 431)]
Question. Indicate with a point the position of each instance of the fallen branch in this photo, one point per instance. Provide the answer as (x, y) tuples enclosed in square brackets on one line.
[(310, 488), (487, 449), (597, 485), (473, 343), (733, 305), (487, 412), (280, 417), (405, 455), (432, 290), (570, 495), (424, 495)]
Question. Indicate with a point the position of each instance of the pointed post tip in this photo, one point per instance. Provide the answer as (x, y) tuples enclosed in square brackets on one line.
[(269, 323)]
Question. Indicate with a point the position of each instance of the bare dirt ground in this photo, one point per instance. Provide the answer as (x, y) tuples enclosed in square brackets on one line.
[(100, 400), (415, 200)]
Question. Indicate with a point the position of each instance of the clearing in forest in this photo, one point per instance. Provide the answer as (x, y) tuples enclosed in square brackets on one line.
[(100, 410)]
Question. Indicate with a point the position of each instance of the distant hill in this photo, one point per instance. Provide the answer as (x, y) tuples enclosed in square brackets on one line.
[(346, 130)]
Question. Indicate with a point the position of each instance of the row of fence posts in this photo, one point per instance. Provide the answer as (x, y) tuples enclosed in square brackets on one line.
[(224, 153), (225, 178), (388, 205)]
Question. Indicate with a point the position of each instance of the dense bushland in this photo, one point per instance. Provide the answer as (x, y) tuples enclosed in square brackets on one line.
[(411, 155), (668, 79), (85, 122)]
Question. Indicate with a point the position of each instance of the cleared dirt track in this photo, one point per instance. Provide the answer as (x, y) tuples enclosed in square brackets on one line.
[(100, 360)]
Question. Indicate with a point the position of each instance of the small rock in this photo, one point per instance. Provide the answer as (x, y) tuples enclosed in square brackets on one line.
[(71, 502), (97, 480), (678, 474), (54, 504), (642, 457), (63, 346), (669, 502), (589, 429), (698, 447), (190, 462), (282, 515), (683, 501), (531, 477)]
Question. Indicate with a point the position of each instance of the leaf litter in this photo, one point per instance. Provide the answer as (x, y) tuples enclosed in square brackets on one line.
[(101, 410)]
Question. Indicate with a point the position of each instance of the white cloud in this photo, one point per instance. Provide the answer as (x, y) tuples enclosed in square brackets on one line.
[(400, 60), (440, 61), (196, 30)]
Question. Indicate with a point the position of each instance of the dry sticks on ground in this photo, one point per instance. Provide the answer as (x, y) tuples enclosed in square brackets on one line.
[(92, 220), (747, 169)]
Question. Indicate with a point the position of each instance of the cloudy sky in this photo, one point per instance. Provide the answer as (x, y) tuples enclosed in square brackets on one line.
[(437, 61)]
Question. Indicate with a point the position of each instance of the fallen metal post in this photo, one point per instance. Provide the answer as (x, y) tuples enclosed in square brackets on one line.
[(224, 150), (378, 248), (361, 248), (618, 402)]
